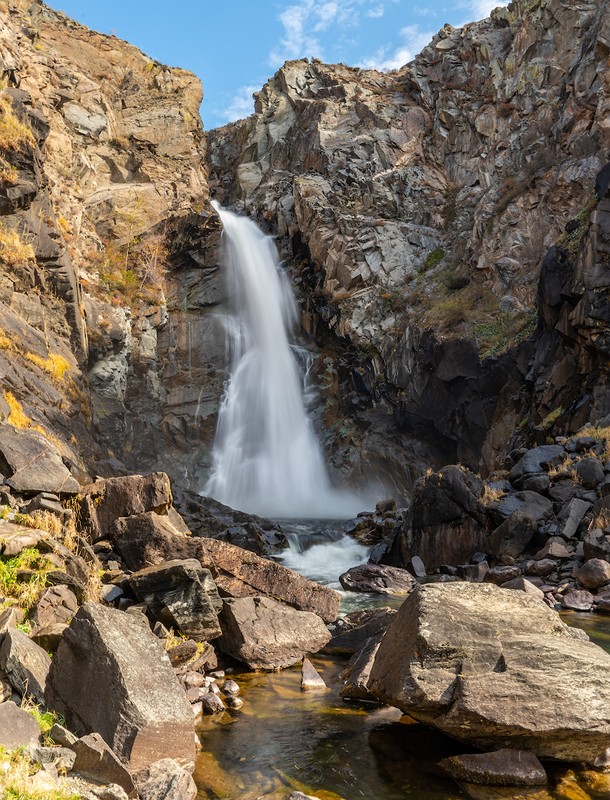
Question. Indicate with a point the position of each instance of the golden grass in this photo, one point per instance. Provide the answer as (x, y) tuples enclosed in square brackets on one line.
[(14, 134), (54, 365), (13, 250), (21, 588), (491, 495), (18, 780), (19, 419)]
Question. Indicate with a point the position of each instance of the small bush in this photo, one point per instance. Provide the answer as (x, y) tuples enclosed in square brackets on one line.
[(14, 134), (55, 365), (13, 250), (434, 258)]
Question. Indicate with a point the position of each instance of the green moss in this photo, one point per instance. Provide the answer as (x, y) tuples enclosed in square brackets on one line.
[(434, 258), (23, 577)]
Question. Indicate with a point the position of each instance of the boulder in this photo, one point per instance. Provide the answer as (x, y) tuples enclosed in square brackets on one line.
[(535, 461), (578, 600), (25, 664), (49, 636), (530, 503), (590, 472), (311, 680), (596, 544), (165, 780), (181, 595), (150, 539), (95, 760), (449, 523), (571, 516), (110, 498), (512, 536), (555, 547), (32, 464), (377, 579), (57, 604), (17, 727), (497, 669), (358, 671), (521, 584), (593, 574), (264, 634), (15, 538), (111, 675), (504, 767)]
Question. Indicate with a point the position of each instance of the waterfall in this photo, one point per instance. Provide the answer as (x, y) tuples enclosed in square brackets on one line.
[(266, 457)]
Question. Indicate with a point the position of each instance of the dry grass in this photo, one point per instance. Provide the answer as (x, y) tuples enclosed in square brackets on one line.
[(14, 134), (602, 520), (18, 780), (602, 435), (19, 419), (491, 495), (5, 341), (13, 250), (24, 577), (8, 173), (54, 365)]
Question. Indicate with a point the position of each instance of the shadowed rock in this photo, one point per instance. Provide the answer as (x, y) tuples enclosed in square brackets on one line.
[(32, 464), (503, 768), (110, 675), (25, 663)]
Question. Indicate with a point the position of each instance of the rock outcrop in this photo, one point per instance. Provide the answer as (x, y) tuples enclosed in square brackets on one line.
[(475, 661)]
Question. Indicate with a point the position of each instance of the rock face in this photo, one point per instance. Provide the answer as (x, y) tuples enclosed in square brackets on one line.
[(474, 661), (266, 635), (111, 676), (32, 463)]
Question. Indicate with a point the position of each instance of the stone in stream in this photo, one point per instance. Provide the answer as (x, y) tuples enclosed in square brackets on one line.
[(352, 632), (111, 675), (181, 594), (377, 579), (311, 680), (496, 669), (358, 671), (504, 767), (264, 634)]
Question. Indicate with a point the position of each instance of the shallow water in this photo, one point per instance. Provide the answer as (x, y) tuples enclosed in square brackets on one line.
[(284, 739)]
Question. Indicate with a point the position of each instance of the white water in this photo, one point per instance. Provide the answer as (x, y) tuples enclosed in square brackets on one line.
[(266, 459)]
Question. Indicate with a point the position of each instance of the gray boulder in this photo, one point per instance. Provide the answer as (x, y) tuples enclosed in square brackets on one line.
[(32, 464), (94, 759), (111, 675), (25, 664), (535, 461), (496, 669), (357, 672), (512, 536), (530, 503), (181, 594), (17, 727), (264, 634), (377, 579), (165, 780), (593, 574)]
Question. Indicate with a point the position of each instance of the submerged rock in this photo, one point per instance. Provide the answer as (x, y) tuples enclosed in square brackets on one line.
[(497, 669)]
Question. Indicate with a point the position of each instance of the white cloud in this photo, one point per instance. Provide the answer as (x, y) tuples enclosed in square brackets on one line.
[(483, 8), (414, 39), (375, 12), (240, 106)]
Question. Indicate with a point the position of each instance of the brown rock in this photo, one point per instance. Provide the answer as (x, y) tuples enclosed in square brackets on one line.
[(165, 780), (17, 727), (578, 600), (25, 664), (266, 635), (502, 768), (96, 760), (32, 464), (57, 604), (512, 536), (593, 574), (311, 680), (377, 579)]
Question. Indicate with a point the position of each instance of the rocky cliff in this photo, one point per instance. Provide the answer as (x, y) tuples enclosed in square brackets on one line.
[(415, 209)]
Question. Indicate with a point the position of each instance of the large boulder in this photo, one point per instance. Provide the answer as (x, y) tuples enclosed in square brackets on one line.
[(267, 635), (111, 675), (17, 727), (32, 464), (512, 536), (182, 595), (377, 579), (449, 523), (496, 668), (25, 664), (151, 539), (110, 498), (535, 461)]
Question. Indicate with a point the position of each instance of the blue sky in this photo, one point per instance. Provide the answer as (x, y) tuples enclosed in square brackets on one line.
[(235, 45)]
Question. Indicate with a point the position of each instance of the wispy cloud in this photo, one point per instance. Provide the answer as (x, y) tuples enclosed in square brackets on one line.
[(241, 104), (304, 21), (412, 40), (483, 8)]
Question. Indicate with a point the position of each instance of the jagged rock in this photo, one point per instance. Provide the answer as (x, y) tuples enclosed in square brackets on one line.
[(110, 675), (165, 780), (502, 768), (9, 619), (150, 539), (311, 680), (523, 585), (358, 671), (351, 632), (57, 604), (15, 538), (593, 574), (507, 650), (96, 760), (208, 518), (501, 574), (541, 568), (104, 501), (61, 758), (25, 664), (17, 727), (590, 472), (535, 461), (571, 516), (32, 463), (512, 536), (182, 595), (554, 548), (266, 635), (596, 544), (377, 579), (212, 704), (49, 636)]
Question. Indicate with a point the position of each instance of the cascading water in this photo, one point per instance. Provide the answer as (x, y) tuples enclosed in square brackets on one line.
[(266, 458)]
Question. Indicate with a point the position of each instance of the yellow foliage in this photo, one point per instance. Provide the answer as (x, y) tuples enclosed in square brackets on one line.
[(14, 134), (55, 365), (13, 250), (5, 342), (16, 418), (8, 173)]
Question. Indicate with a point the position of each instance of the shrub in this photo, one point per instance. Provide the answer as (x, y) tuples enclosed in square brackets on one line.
[(14, 134), (434, 258), (13, 250), (55, 365)]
